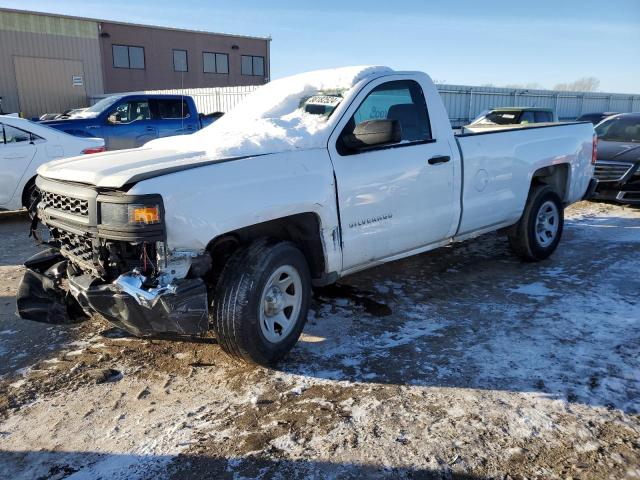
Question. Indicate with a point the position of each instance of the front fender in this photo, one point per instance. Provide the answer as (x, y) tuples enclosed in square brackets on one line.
[(206, 202)]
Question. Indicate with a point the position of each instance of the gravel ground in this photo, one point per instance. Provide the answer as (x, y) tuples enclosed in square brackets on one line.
[(463, 363)]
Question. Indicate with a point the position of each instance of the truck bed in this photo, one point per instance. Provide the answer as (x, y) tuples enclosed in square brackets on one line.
[(497, 166), (480, 129)]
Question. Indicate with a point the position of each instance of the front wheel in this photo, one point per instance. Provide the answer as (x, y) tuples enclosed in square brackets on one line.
[(261, 301), (538, 232)]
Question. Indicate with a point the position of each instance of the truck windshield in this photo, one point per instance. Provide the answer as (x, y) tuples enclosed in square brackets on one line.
[(321, 103), (620, 129), (95, 110)]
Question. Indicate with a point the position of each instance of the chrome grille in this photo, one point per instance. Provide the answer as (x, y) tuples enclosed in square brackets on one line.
[(75, 206), (606, 171)]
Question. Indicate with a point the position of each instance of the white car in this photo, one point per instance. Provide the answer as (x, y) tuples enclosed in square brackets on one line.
[(311, 178), (24, 146)]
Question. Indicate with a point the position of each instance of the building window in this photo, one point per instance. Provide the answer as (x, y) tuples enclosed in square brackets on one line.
[(125, 56), (252, 65), (215, 62), (180, 63)]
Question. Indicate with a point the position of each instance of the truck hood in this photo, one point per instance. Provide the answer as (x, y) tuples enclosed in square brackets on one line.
[(618, 151), (118, 168)]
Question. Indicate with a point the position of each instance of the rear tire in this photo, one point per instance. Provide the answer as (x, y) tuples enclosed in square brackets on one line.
[(538, 232), (261, 301)]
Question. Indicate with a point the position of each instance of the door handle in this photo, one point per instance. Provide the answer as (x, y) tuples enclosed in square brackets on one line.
[(439, 159), (151, 129), (13, 156)]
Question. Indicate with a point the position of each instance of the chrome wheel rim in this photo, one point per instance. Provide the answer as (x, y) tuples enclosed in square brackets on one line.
[(280, 303), (547, 223)]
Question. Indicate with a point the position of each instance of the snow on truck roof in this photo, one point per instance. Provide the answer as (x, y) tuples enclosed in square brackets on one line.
[(286, 114)]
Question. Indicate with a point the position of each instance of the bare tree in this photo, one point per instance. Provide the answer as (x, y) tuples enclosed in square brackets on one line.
[(584, 84)]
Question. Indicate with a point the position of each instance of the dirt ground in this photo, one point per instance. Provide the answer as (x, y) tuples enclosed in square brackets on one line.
[(462, 363)]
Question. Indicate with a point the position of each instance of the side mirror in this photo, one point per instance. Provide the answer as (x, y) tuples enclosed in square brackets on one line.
[(373, 133)]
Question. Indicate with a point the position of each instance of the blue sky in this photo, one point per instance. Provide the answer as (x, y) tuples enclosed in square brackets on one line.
[(466, 42)]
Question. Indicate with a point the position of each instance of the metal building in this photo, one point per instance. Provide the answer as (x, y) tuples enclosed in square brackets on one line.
[(51, 63)]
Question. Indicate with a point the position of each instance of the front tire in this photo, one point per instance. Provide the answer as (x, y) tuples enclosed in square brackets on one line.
[(538, 232), (261, 301)]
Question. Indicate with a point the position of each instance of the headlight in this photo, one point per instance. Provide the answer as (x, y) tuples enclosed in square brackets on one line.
[(139, 211)]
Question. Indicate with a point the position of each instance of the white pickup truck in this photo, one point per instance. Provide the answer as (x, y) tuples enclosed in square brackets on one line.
[(311, 178)]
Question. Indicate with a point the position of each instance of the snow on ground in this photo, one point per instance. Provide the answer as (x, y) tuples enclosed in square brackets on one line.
[(462, 361)]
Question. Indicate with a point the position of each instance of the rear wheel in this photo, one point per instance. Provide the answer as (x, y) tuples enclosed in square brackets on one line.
[(538, 232), (261, 301)]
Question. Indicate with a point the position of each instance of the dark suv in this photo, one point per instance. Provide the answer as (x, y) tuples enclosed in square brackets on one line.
[(618, 164)]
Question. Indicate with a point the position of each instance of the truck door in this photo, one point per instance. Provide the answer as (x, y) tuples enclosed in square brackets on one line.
[(397, 197), (16, 152), (172, 116), (129, 125)]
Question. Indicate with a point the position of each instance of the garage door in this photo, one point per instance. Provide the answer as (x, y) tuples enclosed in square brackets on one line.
[(49, 85)]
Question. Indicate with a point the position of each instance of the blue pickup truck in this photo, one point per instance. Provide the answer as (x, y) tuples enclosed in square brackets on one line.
[(129, 121)]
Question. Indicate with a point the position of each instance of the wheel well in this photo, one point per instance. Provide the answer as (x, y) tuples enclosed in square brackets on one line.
[(556, 176), (302, 229), (25, 191)]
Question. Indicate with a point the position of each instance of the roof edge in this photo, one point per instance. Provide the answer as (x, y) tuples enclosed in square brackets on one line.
[(130, 24)]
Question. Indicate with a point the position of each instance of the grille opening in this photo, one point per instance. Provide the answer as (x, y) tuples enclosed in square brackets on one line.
[(56, 201), (79, 246), (106, 259)]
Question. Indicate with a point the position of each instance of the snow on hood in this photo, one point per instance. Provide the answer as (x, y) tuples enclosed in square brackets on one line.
[(270, 119)]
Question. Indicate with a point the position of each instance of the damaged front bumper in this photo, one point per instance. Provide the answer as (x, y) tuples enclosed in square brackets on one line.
[(52, 291)]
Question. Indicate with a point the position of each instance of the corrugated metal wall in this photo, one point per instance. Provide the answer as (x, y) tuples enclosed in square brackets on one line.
[(463, 102), (46, 37)]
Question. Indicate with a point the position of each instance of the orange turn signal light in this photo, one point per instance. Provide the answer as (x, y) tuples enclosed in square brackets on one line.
[(147, 214)]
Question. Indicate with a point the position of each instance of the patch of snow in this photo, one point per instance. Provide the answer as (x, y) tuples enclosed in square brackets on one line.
[(18, 383), (535, 289), (298, 390), (74, 353), (284, 442)]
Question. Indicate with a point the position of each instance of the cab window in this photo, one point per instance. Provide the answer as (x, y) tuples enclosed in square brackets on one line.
[(401, 100), (543, 117), (527, 117), (168, 109), (131, 111)]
